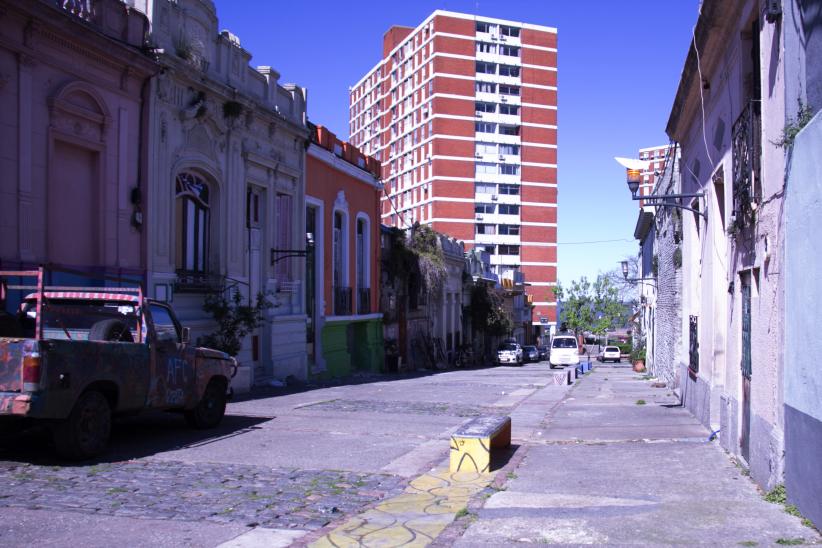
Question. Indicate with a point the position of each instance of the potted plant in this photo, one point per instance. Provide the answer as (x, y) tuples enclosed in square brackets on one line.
[(638, 358)]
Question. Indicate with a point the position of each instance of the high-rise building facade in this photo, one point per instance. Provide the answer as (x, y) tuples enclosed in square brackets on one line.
[(656, 158), (462, 113)]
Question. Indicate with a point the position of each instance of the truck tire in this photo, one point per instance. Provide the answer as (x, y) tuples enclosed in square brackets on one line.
[(85, 433), (110, 330), (210, 409)]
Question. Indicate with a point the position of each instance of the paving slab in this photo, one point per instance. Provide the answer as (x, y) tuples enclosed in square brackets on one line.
[(610, 471)]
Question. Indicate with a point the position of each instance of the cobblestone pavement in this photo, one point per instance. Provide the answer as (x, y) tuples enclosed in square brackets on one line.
[(219, 493), (414, 408)]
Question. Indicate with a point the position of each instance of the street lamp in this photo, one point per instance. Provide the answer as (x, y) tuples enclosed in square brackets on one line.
[(634, 169)]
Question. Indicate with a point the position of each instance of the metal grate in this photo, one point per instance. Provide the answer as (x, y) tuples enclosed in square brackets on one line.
[(693, 345), (363, 300), (746, 330), (746, 146), (342, 301)]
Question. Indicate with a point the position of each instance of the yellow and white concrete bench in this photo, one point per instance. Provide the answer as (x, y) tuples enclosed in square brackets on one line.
[(471, 445)]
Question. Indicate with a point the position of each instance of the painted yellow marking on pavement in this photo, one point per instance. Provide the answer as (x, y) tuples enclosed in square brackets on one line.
[(414, 518)]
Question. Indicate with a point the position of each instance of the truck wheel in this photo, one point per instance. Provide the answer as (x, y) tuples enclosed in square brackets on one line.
[(110, 330), (84, 434), (210, 410)]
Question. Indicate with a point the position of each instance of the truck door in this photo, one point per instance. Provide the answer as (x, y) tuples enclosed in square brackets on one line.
[(174, 380)]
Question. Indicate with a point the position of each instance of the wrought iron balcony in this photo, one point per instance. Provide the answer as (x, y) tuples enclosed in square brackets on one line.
[(746, 145), (363, 300), (342, 300), (189, 281)]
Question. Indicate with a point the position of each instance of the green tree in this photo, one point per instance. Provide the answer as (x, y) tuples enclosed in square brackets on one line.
[(234, 318), (590, 307), (488, 313)]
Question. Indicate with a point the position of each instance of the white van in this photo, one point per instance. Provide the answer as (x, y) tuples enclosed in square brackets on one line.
[(564, 351)]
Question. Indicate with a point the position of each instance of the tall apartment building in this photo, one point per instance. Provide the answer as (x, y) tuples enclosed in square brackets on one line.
[(656, 157), (462, 113)]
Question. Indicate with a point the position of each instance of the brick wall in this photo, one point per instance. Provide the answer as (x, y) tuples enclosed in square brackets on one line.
[(668, 334)]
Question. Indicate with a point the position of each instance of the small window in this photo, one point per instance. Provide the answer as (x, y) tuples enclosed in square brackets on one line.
[(511, 150), (509, 230), (512, 110), (485, 87), (509, 249), (483, 27), (513, 32), (509, 90), (164, 326), (508, 70), (510, 190), (509, 130), (511, 51), (485, 188), (508, 169), (486, 68), (485, 127), (484, 208), (483, 47), (485, 107), (508, 209)]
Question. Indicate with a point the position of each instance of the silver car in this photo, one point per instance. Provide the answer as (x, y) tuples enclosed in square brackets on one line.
[(509, 352)]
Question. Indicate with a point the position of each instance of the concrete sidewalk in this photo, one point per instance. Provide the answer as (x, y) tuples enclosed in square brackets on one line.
[(618, 462)]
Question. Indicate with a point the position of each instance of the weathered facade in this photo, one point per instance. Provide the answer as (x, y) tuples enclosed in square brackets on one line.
[(343, 265), (728, 113), (225, 185), (73, 86)]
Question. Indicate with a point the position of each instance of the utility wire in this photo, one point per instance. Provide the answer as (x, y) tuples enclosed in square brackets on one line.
[(595, 242)]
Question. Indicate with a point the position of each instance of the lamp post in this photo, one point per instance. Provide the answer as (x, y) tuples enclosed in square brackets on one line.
[(634, 168)]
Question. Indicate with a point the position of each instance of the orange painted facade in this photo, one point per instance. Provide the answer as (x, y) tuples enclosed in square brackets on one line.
[(324, 182)]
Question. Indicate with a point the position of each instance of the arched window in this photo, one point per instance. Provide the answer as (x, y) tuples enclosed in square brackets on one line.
[(193, 216)]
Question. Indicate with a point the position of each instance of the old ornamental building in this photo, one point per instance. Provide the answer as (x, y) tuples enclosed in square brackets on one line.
[(73, 86), (224, 186), (462, 113)]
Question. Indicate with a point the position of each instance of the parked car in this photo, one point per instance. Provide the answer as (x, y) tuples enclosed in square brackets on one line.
[(544, 352), (530, 353), (73, 359), (509, 352), (610, 353), (564, 350)]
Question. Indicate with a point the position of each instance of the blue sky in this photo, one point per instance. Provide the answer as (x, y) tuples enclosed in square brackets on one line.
[(619, 66)]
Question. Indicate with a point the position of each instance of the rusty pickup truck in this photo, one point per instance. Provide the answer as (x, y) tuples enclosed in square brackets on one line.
[(73, 357)]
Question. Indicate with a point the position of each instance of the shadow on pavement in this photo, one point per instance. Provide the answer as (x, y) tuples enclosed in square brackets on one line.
[(131, 438), (298, 387), (501, 457)]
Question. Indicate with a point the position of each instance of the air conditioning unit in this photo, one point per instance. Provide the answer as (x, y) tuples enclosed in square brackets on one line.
[(502, 157), (494, 197), (773, 10), (504, 99), (503, 39), (478, 154), (479, 217), (479, 115)]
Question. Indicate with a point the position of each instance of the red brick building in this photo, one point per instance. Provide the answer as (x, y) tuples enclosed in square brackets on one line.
[(462, 113)]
